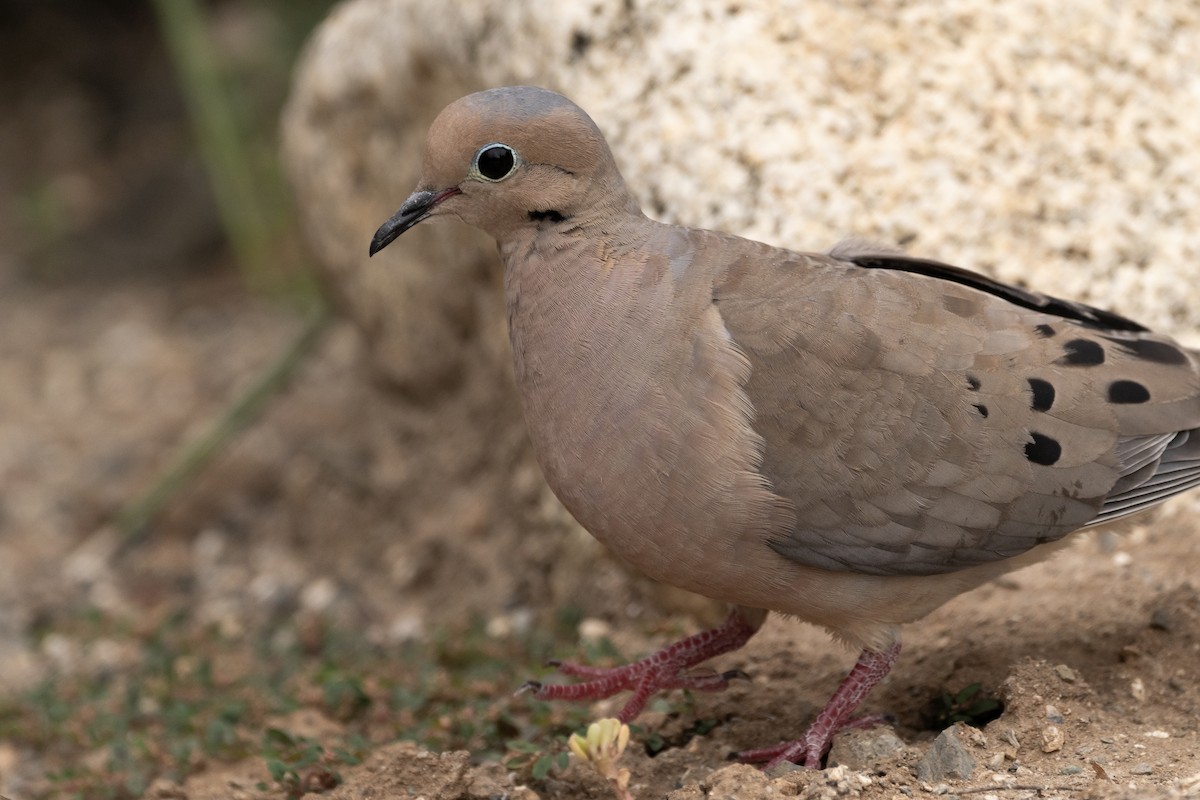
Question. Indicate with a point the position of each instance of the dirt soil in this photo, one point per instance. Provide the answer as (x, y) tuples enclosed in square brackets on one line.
[(107, 366), (1096, 657)]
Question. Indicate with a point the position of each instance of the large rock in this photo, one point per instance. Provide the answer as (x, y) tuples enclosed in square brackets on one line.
[(1052, 143)]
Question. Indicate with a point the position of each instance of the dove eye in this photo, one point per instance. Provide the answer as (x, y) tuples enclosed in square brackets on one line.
[(495, 162)]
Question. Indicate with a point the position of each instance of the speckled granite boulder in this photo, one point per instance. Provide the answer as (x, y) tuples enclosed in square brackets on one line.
[(1049, 142), (1052, 143)]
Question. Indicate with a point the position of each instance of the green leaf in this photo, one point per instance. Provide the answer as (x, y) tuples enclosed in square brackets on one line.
[(346, 757), (278, 769), (654, 743), (983, 706), (541, 767), (522, 746), (967, 693), (278, 736)]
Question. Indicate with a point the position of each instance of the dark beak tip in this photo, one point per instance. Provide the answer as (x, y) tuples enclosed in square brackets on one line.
[(414, 210), (378, 242), (389, 231)]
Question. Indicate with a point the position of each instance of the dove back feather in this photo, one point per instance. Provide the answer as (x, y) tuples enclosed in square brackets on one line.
[(926, 419)]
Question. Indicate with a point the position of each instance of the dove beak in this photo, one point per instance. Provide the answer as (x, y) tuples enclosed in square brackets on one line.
[(416, 208)]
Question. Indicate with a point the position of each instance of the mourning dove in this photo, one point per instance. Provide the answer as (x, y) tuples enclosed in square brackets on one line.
[(851, 438)]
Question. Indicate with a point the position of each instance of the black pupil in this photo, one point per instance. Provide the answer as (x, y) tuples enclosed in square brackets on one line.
[(495, 162)]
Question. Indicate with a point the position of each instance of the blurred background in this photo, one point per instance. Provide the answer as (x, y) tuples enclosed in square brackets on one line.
[(140, 138), (155, 296), (206, 568)]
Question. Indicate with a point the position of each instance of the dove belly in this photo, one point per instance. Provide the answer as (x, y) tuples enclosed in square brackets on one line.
[(641, 426)]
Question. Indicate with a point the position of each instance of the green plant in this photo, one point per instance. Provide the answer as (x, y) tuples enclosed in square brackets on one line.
[(300, 765), (531, 758), (968, 705), (602, 747)]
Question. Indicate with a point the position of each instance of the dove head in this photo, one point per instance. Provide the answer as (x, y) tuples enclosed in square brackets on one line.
[(507, 159)]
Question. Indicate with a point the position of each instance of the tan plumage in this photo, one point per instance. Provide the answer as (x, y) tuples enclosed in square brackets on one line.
[(852, 438)]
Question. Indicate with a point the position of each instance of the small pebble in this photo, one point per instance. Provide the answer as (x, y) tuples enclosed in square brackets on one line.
[(319, 595), (783, 768), (406, 628), (1066, 673), (948, 756), (1161, 619), (592, 629), (1052, 739), (1142, 769)]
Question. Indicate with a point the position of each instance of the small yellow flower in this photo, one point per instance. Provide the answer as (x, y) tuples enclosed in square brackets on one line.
[(602, 748)]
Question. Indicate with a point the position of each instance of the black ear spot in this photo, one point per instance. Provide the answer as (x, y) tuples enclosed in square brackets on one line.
[(982, 409), (1043, 394), (1044, 331), (548, 215), (1081, 353), (973, 383), (1127, 392), (1043, 450)]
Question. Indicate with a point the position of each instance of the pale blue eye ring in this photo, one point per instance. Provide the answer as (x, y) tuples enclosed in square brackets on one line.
[(494, 162)]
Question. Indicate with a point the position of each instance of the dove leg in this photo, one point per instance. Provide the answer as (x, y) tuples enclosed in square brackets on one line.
[(666, 669), (872, 666)]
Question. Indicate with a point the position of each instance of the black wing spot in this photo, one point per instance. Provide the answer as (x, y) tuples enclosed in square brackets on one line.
[(1043, 394), (1127, 392), (1082, 353), (982, 409), (1045, 331), (1151, 350), (973, 383), (1043, 450)]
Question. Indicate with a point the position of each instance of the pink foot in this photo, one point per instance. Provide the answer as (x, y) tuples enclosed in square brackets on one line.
[(666, 669), (810, 748)]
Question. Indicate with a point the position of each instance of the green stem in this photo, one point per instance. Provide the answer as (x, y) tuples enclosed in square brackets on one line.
[(220, 140), (133, 519)]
